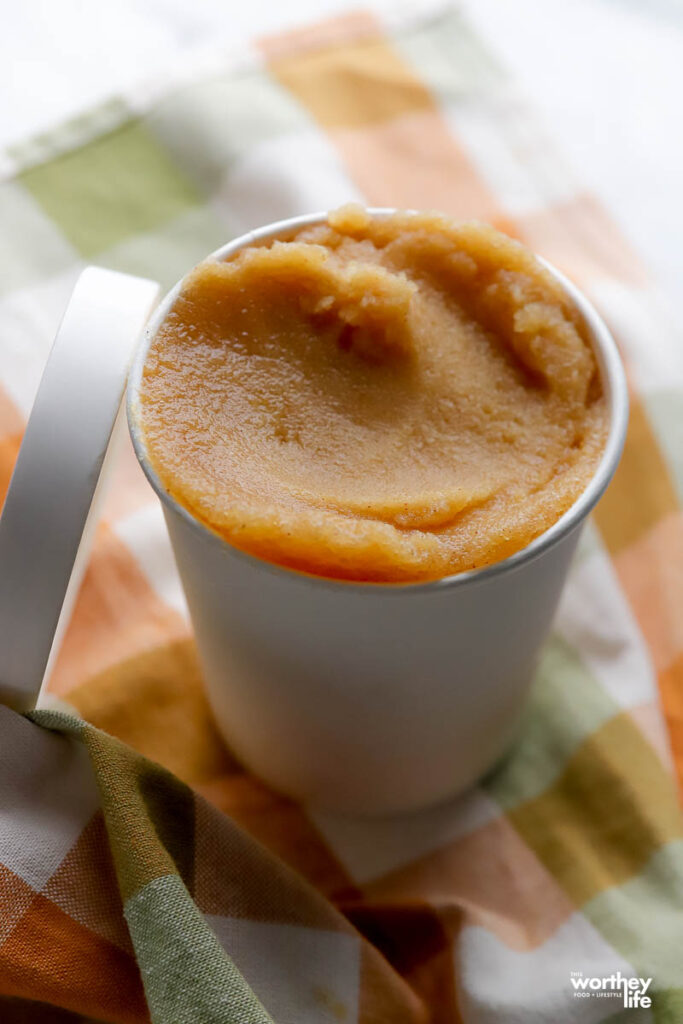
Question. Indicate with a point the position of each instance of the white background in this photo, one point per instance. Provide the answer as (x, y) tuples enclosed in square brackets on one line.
[(606, 75)]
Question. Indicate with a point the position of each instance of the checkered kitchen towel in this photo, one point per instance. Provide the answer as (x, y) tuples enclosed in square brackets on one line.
[(190, 893)]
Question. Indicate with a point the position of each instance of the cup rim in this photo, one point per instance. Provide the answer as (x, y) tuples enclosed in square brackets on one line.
[(614, 382)]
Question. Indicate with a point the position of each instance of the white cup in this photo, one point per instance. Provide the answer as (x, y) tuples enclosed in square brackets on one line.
[(371, 697)]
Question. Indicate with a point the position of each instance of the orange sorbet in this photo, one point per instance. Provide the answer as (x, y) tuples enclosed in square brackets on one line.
[(387, 399)]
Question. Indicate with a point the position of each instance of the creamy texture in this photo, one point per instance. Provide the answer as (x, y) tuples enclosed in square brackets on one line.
[(373, 399)]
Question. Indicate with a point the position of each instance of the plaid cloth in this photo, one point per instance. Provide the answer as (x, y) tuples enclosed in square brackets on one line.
[(189, 892)]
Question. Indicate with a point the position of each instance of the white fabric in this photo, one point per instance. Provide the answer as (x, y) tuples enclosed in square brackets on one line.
[(606, 74), (524, 983), (48, 799), (301, 974)]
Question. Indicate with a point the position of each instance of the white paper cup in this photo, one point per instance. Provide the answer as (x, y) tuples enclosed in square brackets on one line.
[(372, 697)]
